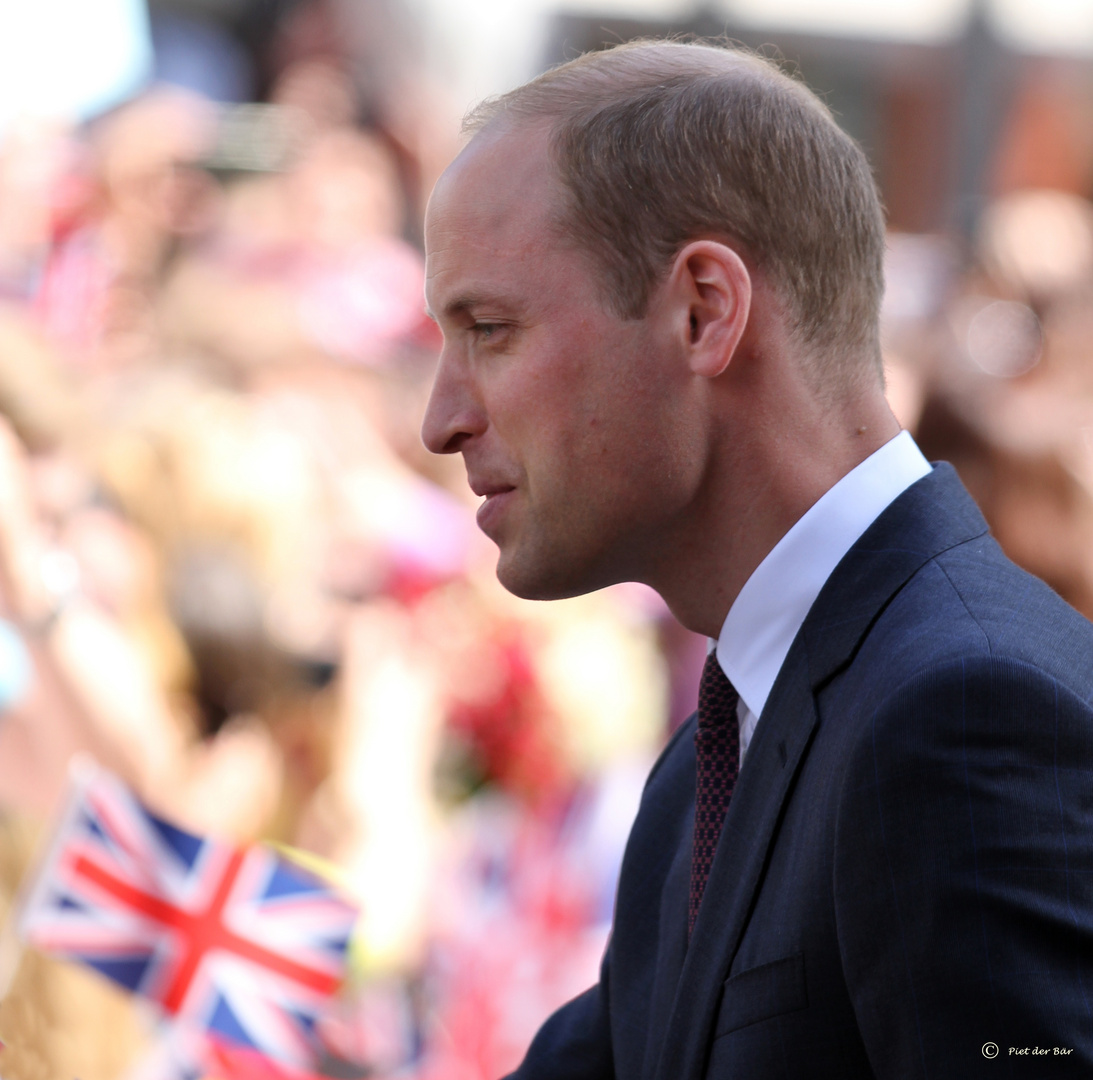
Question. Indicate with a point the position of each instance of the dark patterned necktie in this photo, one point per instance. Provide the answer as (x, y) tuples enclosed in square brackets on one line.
[(717, 746)]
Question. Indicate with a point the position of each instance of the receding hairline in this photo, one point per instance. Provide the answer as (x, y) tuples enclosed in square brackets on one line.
[(574, 91), (603, 78)]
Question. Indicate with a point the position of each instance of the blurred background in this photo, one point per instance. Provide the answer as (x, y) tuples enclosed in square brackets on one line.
[(229, 570)]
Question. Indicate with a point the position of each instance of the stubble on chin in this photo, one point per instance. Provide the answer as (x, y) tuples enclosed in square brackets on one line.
[(548, 575)]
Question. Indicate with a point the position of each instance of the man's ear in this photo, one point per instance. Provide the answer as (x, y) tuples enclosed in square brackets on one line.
[(712, 287)]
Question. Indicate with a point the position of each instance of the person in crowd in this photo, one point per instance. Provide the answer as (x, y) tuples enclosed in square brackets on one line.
[(658, 271)]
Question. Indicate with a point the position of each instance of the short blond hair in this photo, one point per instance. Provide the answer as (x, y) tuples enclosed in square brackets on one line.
[(660, 142)]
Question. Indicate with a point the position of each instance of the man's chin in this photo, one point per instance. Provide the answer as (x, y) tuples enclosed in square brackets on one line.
[(531, 581)]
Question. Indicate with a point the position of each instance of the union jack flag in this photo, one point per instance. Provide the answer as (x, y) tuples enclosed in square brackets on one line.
[(237, 944)]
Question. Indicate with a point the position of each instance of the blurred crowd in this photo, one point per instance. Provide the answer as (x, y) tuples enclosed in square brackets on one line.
[(990, 363), (230, 572)]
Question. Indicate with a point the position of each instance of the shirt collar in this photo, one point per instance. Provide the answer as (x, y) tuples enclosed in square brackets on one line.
[(764, 619)]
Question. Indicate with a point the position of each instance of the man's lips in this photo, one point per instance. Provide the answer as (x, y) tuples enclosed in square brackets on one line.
[(488, 489), (495, 496)]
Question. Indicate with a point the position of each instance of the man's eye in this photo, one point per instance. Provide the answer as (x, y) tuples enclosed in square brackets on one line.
[(486, 329)]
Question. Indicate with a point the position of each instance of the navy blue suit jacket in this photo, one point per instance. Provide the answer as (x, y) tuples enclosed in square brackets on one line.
[(905, 873)]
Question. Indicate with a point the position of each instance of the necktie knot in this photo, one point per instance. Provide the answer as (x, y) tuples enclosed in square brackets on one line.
[(717, 697), (717, 749)]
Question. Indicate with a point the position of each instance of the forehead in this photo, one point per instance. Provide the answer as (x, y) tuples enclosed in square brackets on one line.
[(495, 208)]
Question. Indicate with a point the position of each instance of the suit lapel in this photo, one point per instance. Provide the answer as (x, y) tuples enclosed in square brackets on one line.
[(776, 750), (931, 516)]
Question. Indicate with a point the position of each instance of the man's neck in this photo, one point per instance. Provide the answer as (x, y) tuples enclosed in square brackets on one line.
[(755, 493)]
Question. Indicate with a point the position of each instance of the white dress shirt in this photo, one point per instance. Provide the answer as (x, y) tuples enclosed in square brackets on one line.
[(772, 605)]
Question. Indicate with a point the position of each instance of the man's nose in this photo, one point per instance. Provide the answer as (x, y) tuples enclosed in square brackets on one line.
[(454, 413)]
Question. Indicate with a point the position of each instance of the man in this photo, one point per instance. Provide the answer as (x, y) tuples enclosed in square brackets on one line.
[(658, 274)]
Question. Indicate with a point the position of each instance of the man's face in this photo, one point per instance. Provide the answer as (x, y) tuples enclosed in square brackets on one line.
[(573, 423)]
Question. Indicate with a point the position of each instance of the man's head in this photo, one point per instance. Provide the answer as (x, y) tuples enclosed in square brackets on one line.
[(653, 316), (657, 143)]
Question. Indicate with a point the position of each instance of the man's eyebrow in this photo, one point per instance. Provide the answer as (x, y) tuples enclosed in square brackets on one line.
[(459, 305)]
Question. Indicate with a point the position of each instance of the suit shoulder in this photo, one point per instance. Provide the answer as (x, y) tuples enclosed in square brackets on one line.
[(970, 604), (1020, 617)]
